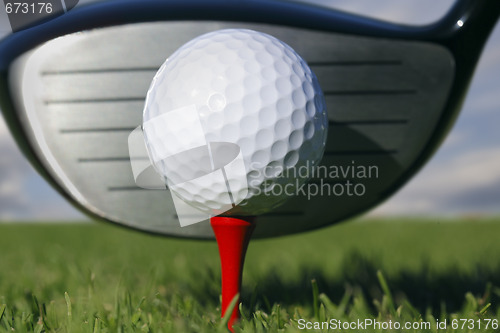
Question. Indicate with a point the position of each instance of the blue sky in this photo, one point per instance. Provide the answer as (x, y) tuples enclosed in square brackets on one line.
[(462, 178)]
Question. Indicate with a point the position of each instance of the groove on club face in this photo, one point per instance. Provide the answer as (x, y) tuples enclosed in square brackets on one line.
[(81, 101)]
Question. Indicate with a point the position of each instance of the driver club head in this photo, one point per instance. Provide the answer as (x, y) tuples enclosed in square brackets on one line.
[(73, 89)]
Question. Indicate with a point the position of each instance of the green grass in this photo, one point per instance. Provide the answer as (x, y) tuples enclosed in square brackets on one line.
[(100, 278)]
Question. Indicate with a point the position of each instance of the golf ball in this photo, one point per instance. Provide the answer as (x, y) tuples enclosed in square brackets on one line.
[(247, 95)]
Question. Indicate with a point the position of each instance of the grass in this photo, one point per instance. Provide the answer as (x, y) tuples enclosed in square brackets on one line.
[(100, 278)]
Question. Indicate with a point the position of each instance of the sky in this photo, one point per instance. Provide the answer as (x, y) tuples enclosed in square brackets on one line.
[(462, 178)]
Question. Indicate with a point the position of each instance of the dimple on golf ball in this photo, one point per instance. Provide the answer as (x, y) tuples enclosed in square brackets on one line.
[(247, 89)]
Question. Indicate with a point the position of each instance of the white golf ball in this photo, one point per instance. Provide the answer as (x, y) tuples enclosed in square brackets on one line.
[(247, 89)]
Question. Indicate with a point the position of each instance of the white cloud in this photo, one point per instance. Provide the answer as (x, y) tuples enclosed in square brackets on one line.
[(465, 183), (23, 194), (491, 54), (13, 171), (486, 101), (485, 88), (454, 139)]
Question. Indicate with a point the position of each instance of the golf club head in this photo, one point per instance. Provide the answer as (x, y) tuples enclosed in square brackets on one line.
[(73, 89)]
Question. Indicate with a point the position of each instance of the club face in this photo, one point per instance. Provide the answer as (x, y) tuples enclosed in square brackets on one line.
[(73, 101)]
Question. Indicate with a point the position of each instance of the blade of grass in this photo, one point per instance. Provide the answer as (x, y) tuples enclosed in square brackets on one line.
[(242, 313), (2, 311), (322, 313), (97, 327), (485, 309), (229, 311), (387, 292), (315, 291), (69, 310), (344, 302), (278, 312), (330, 306)]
